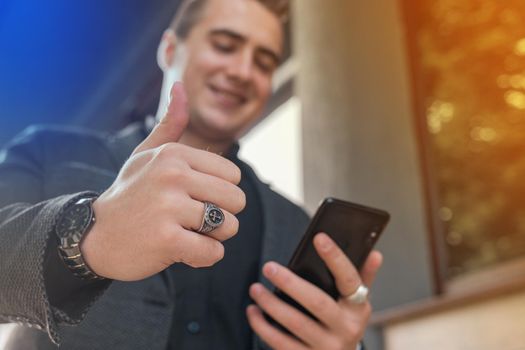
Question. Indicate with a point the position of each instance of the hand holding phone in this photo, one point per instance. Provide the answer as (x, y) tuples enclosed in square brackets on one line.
[(354, 228), (308, 280)]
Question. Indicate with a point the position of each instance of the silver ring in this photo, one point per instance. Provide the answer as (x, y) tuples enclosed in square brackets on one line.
[(212, 218), (360, 296)]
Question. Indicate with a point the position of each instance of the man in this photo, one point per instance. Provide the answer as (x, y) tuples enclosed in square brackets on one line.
[(118, 234)]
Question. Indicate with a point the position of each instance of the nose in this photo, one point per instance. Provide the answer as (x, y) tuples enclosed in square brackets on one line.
[(241, 67)]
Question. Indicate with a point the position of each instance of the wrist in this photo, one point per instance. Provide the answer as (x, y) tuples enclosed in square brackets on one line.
[(76, 221), (88, 250)]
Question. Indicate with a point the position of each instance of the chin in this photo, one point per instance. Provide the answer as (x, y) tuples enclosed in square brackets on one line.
[(215, 126)]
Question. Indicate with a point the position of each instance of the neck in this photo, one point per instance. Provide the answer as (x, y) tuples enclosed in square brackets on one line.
[(192, 139)]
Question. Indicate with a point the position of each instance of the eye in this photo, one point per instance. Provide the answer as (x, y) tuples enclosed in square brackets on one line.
[(224, 45), (224, 48), (266, 65)]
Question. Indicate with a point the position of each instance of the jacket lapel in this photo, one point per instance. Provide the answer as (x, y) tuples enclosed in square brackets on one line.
[(282, 231)]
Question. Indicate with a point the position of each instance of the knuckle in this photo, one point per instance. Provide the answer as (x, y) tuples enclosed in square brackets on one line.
[(166, 232), (341, 345), (350, 279), (230, 228), (352, 331), (136, 157), (165, 151), (193, 260), (176, 173), (367, 309), (234, 225), (285, 277), (164, 239), (135, 163), (179, 172), (220, 251), (170, 205), (241, 200), (163, 204), (168, 152), (297, 325), (321, 304), (235, 174), (216, 254), (232, 172), (236, 198), (336, 343), (334, 253), (192, 264)]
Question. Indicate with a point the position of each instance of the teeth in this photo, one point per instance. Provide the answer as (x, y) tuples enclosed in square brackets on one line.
[(229, 95)]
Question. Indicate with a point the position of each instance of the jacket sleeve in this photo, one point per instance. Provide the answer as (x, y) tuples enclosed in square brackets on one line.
[(36, 289)]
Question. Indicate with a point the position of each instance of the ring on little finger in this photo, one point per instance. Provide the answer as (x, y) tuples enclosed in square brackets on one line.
[(360, 296)]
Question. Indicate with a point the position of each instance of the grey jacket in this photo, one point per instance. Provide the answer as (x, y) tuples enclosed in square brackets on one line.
[(41, 171)]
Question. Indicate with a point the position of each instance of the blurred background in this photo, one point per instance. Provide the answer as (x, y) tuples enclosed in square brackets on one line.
[(416, 107)]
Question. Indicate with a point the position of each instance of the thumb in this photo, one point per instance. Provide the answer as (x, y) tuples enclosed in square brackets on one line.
[(172, 125)]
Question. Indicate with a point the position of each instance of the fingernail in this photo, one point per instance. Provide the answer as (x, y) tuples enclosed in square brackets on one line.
[(271, 269), (252, 308), (324, 243), (177, 85), (256, 289)]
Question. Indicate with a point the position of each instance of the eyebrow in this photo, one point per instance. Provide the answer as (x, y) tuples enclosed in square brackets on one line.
[(239, 37)]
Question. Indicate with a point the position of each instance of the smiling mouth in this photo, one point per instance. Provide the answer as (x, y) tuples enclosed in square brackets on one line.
[(227, 97)]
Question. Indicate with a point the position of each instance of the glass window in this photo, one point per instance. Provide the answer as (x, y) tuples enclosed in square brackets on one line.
[(468, 66)]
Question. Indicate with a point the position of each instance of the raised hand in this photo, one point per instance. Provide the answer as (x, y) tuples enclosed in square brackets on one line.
[(147, 219)]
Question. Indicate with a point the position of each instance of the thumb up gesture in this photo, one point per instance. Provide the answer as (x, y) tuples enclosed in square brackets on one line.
[(149, 217)]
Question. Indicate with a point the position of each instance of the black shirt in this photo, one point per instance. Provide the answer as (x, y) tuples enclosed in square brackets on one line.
[(210, 303)]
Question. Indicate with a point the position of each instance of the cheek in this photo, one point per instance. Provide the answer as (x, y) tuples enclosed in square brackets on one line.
[(193, 77), (200, 67), (263, 87)]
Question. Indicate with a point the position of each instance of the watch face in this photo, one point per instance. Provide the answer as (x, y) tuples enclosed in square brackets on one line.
[(75, 220)]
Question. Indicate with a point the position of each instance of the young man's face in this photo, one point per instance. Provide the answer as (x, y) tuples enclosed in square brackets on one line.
[(230, 57)]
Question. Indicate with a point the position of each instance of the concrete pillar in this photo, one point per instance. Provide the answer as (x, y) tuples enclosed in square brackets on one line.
[(359, 139)]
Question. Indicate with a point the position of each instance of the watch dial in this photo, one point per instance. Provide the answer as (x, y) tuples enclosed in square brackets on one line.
[(75, 220)]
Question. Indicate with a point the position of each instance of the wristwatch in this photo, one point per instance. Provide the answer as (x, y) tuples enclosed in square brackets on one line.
[(76, 220)]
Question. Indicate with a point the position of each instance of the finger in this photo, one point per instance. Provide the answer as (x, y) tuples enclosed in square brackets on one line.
[(195, 249), (295, 321), (370, 268), (191, 219), (172, 125), (208, 188), (311, 297), (270, 335), (346, 276), (211, 164)]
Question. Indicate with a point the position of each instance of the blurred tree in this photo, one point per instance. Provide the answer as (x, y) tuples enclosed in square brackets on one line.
[(470, 59)]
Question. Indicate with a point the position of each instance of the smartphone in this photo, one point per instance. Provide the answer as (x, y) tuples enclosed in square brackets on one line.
[(354, 227)]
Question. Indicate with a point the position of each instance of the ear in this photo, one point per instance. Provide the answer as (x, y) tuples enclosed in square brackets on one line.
[(166, 50)]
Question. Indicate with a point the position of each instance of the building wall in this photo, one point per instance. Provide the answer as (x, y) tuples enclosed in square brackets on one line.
[(353, 83), (493, 324)]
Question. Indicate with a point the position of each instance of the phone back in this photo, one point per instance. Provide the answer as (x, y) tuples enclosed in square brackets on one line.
[(355, 228)]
